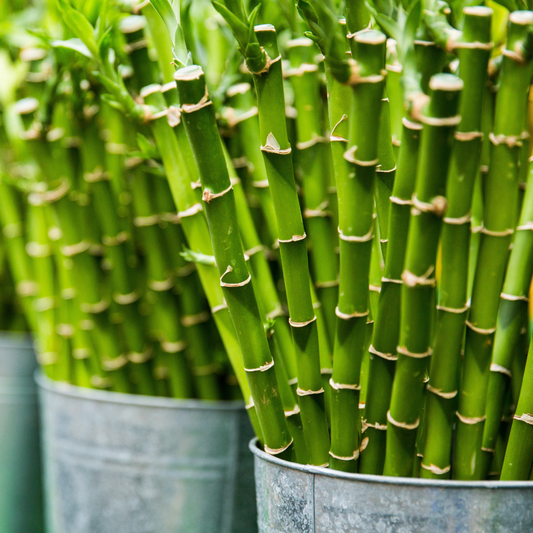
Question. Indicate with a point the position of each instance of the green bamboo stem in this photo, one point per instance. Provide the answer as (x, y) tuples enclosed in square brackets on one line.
[(501, 189), (385, 174), (519, 454), (313, 163), (455, 237), (244, 118), (199, 120), (356, 231), (429, 204), (292, 241), (511, 314), (383, 353), (197, 234)]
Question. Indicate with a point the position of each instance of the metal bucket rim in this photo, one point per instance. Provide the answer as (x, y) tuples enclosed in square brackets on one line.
[(387, 480), (66, 389)]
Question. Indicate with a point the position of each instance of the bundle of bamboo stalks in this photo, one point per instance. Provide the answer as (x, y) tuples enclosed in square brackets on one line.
[(343, 195)]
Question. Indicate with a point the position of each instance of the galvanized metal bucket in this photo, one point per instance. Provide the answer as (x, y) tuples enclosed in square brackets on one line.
[(121, 463), (20, 466), (293, 498)]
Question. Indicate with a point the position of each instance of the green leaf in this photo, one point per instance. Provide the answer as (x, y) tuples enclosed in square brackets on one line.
[(180, 46), (197, 257), (79, 26), (239, 28), (73, 44), (148, 150), (167, 13)]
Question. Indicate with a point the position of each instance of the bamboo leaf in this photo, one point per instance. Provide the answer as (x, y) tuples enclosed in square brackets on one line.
[(73, 44), (197, 257), (238, 27), (168, 15), (79, 26)]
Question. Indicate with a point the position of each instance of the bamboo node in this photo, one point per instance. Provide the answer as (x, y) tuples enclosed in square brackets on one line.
[(465, 136), (334, 137), (353, 457), (319, 211), (404, 351), (344, 386), (140, 357), (440, 121), (404, 425), (481, 331), (185, 271), (10, 231), (292, 412), (114, 364), (193, 320), (80, 353), (513, 298), (47, 358), (392, 280), (470, 420), (70, 250), (354, 238), (204, 370), (262, 368), (326, 371), (525, 417), (437, 206), (303, 145), (277, 311), (172, 218), (400, 201), (207, 195), (455, 310), (48, 197), (301, 324), (348, 316), (294, 238), (218, 308), (293, 381), (65, 330), (272, 146), (237, 284), (232, 118), (510, 141), (260, 184), (459, 220), (173, 347), (302, 392), (142, 222), (377, 426), (439, 392), (475, 45), (364, 444), (35, 249), (412, 280), (101, 383), (276, 451), (383, 355), (96, 308), (204, 102), (26, 288), (191, 211), (380, 170), (410, 125), (123, 236), (327, 284), (161, 286), (374, 288), (349, 156), (96, 175), (299, 71), (494, 367), (526, 226), (173, 116), (434, 469), (126, 299)]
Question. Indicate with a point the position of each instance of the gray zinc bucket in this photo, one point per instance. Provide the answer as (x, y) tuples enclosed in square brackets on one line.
[(304, 499), (20, 465), (121, 463)]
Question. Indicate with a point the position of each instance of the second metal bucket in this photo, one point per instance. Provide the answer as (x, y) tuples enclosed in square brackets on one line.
[(294, 498), (20, 465), (121, 463)]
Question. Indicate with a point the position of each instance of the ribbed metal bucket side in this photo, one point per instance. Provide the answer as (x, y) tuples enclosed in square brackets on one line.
[(20, 465), (309, 499), (120, 463)]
